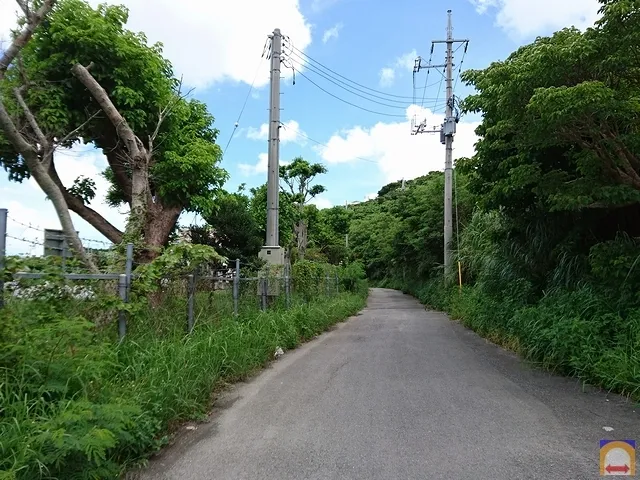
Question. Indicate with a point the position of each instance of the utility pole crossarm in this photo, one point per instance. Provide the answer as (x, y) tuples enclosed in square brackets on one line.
[(419, 66), (452, 41)]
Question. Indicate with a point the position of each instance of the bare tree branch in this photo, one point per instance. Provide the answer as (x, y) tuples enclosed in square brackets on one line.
[(44, 143), (13, 135), (165, 112), (24, 6), (77, 129), (85, 212), (131, 141), (33, 20)]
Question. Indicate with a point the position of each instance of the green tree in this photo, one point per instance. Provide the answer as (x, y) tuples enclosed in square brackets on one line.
[(87, 78), (298, 177), (328, 233), (559, 148), (287, 214), (231, 229), (24, 146)]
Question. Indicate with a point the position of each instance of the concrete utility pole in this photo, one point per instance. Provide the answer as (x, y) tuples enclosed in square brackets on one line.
[(448, 159), (447, 131), (271, 252)]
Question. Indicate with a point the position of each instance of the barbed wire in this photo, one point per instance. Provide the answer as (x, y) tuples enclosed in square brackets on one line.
[(35, 243), (39, 229)]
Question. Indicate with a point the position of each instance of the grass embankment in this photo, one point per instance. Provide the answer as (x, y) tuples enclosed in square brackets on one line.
[(76, 405), (577, 332)]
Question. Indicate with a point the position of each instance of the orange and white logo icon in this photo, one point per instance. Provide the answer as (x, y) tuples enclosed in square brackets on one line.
[(618, 457)]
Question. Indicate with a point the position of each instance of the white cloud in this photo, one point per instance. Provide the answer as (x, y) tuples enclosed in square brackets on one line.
[(259, 167), (397, 153), (387, 76), (407, 60), (401, 64), (289, 132), (8, 10), (207, 41), (211, 41), (333, 32), (523, 19), (321, 202)]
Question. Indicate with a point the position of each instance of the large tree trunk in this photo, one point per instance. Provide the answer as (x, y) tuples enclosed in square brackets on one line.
[(159, 224), (301, 238), (49, 187), (88, 214), (140, 198)]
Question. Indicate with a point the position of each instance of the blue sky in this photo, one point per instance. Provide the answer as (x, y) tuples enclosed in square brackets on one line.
[(373, 42)]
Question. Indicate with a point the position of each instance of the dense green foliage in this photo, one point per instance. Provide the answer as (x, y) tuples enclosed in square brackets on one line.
[(237, 226), (76, 403), (231, 229), (546, 214)]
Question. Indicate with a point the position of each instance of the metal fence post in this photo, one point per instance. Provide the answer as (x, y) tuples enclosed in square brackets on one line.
[(337, 283), (326, 284), (128, 266), (64, 255), (236, 288), (287, 285), (191, 300), (124, 289), (122, 319), (263, 296), (3, 250)]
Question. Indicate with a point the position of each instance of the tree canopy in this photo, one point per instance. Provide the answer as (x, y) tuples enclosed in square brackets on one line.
[(178, 168)]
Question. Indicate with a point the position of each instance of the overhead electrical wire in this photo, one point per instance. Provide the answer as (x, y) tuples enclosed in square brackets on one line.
[(439, 90), (425, 79), (403, 107), (350, 103), (246, 99), (289, 62), (294, 48), (303, 135), (312, 68), (464, 54)]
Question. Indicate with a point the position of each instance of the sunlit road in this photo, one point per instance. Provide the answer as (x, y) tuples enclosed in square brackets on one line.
[(401, 393)]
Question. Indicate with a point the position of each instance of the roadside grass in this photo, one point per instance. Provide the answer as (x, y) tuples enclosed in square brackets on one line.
[(74, 404)]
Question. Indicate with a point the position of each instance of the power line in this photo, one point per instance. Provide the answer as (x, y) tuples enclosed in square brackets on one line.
[(302, 62), (345, 78), (464, 54), (439, 90), (298, 132), (426, 79), (404, 107), (349, 103), (255, 77)]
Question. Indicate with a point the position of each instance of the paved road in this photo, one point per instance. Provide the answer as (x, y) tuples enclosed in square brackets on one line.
[(400, 393)]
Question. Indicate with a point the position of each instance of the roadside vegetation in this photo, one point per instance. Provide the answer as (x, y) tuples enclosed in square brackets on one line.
[(77, 401), (546, 214)]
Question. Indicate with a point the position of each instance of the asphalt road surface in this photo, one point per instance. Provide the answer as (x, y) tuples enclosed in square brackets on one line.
[(399, 392)]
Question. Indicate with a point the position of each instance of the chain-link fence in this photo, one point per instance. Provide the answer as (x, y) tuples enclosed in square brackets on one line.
[(173, 303)]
